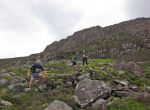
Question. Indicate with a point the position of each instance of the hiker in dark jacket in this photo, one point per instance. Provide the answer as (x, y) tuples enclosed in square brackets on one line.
[(85, 59), (73, 61), (34, 72)]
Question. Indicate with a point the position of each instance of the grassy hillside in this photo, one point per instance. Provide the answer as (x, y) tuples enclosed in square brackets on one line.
[(102, 70)]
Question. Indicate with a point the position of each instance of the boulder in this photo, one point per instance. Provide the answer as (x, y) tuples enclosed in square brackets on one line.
[(122, 83), (134, 88), (27, 89), (17, 79), (58, 105), (100, 104), (87, 91), (141, 97), (121, 93), (5, 103), (42, 87)]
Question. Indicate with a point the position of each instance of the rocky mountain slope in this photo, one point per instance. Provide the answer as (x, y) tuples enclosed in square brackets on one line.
[(123, 39), (104, 84)]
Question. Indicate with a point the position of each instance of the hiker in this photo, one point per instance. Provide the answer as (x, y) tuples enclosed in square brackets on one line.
[(34, 71), (73, 61), (84, 59)]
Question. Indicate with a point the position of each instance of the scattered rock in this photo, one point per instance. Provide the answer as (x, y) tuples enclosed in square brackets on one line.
[(3, 75), (85, 76), (100, 104), (88, 91), (12, 73), (3, 71), (64, 76), (15, 88), (58, 105), (42, 87), (129, 66), (121, 72), (134, 88), (17, 79), (73, 81), (5, 103), (147, 89), (141, 97), (3, 81), (27, 89), (123, 83), (121, 93)]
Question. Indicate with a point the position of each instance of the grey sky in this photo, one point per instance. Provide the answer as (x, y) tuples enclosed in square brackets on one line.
[(28, 26)]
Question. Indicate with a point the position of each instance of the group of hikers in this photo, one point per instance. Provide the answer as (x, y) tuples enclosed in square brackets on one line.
[(36, 68)]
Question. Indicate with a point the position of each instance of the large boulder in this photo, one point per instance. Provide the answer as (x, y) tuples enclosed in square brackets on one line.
[(58, 105), (17, 79), (87, 91)]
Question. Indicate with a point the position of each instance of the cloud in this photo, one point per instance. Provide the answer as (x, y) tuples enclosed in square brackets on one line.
[(137, 8)]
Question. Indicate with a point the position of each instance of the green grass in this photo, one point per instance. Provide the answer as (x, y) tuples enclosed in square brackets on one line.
[(93, 62), (126, 104), (39, 100)]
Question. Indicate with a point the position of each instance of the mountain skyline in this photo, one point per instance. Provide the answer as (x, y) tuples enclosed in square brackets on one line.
[(28, 26)]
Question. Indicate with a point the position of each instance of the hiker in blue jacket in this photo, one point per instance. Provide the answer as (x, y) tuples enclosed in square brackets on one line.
[(34, 72)]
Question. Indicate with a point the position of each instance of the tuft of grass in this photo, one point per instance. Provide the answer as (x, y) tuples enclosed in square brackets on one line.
[(126, 104)]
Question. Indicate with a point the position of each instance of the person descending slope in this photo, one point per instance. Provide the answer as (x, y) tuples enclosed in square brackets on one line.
[(34, 72)]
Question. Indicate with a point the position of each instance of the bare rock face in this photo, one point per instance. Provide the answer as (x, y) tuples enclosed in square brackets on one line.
[(58, 105), (87, 91)]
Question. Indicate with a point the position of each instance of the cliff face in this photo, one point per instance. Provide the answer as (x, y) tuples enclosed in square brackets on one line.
[(126, 38)]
